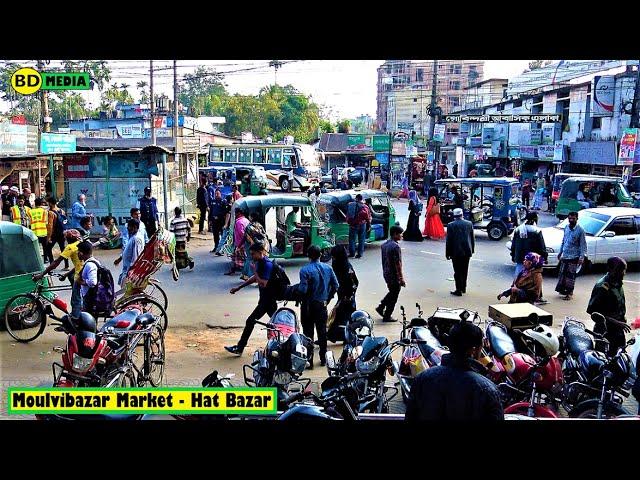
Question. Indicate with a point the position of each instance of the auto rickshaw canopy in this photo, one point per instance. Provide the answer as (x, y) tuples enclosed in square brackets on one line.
[(19, 251)]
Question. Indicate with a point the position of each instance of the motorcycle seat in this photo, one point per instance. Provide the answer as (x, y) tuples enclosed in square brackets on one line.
[(500, 341), (119, 322), (577, 339), (428, 343)]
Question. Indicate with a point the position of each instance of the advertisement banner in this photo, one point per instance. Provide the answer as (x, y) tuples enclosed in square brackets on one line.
[(76, 166), (558, 152), (603, 96), (546, 152), (487, 135), (628, 144), (529, 152), (129, 131), (359, 142), (475, 141), (524, 137), (438, 132), (548, 134), (57, 143), (603, 152), (536, 136)]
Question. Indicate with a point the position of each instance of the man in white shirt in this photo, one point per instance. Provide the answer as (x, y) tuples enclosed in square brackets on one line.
[(89, 274)]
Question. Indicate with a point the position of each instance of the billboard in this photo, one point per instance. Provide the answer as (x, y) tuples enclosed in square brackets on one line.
[(628, 144), (13, 138), (57, 143), (603, 95)]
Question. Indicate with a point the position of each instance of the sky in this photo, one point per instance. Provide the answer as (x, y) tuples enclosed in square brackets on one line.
[(344, 88)]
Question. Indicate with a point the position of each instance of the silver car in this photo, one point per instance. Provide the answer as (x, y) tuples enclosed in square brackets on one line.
[(610, 231)]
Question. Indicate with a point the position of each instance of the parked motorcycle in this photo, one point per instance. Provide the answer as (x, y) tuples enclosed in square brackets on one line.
[(420, 350), (358, 328), (443, 319), (529, 383), (596, 383), (283, 360)]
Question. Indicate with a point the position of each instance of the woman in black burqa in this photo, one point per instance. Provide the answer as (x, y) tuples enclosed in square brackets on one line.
[(346, 293)]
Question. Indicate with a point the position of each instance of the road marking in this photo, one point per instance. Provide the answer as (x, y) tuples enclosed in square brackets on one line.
[(431, 253), (631, 281)]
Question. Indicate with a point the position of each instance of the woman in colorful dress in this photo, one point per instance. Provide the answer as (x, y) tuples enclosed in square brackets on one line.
[(433, 228)]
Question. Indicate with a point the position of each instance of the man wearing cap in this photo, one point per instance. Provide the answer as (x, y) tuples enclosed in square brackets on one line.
[(460, 247), (149, 212), (457, 388)]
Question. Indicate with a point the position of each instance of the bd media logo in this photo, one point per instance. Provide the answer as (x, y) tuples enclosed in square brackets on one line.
[(28, 81)]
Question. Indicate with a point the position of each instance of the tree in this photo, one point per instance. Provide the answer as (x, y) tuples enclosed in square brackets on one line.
[(198, 89), (99, 71), (344, 126), (72, 106), (536, 64), (113, 96), (144, 94), (326, 126)]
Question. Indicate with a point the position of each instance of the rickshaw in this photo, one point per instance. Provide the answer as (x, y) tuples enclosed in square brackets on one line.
[(287, 244), (251, 180), (491, 204), (332, 209), (594, 186)]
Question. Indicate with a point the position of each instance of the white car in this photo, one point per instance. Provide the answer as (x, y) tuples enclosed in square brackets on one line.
[(610, 231)]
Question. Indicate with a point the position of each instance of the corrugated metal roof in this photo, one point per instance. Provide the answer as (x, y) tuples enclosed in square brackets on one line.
[(333, 142)]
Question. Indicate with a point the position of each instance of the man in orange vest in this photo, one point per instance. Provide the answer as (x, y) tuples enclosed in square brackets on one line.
[(20, 213), (39, 219)]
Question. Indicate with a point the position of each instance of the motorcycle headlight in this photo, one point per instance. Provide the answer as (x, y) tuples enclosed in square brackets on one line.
[(298, 363), (369, 366), (81, 364)]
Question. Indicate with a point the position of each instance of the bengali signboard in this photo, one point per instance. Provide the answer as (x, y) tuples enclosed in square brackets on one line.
[(603, 152), (628, 144), (511, 118), (536, 136), (13, 138), (438, 132), (558, 152), (546, 152), (381, 143), (548, 134), (57, 143)]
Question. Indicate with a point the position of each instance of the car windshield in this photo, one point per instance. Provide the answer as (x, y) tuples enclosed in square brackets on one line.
[(590, 222)]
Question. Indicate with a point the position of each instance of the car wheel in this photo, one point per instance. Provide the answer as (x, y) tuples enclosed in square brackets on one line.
[(284, 184)]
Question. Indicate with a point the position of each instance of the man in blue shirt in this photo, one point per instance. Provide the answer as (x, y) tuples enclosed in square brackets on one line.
[(266, 302), (318, 284), (132, 250), (571, 255), (149, 211)]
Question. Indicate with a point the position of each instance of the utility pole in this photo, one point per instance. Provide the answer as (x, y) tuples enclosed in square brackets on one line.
[(433, 112), (276, 64), (44, 104), (153, 104)]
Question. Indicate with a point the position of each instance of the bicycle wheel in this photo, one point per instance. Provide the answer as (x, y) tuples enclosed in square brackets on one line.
[(147, 305), (24, 318), (148, 358), (156, 292)]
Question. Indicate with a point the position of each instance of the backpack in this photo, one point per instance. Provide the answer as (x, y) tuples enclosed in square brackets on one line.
[(100, 299), (353, 209), (278, 281), (60, 224)]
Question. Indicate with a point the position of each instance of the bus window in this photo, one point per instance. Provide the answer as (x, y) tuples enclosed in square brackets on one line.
[(244, 155), (215, 154), (258, 155), (274, 155), (230, 155), (289, 158)]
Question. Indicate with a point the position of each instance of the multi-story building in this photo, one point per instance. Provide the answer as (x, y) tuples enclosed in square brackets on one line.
[(594, 98), (404, 92)]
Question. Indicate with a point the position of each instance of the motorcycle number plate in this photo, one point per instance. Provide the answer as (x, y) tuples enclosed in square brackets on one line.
[(301, 349)]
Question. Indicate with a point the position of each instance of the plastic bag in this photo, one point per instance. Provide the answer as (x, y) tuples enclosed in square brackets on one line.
[(414, 359), (332, 315)]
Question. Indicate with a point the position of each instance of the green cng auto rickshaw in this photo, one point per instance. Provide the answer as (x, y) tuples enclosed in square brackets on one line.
[(251, 180), (491, 204), (332, 209), (296, 227), (589, 191), (20, 258)]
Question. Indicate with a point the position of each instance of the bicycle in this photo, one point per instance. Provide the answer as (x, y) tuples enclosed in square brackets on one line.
[(25, 315)]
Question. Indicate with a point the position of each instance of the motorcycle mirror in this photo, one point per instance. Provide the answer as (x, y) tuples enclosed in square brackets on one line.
[(598, 317), (331, 362), (464, 315)]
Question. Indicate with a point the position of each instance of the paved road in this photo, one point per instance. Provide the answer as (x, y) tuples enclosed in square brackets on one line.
[(201, 298)]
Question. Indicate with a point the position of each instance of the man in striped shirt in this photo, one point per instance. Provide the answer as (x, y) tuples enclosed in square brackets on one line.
[(182, 230)]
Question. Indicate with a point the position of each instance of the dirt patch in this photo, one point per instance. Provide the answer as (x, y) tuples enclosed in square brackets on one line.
[(208, 342)]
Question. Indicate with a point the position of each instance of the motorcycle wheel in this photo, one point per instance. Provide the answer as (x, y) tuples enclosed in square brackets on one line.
[(24, 318), (610, 410)]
